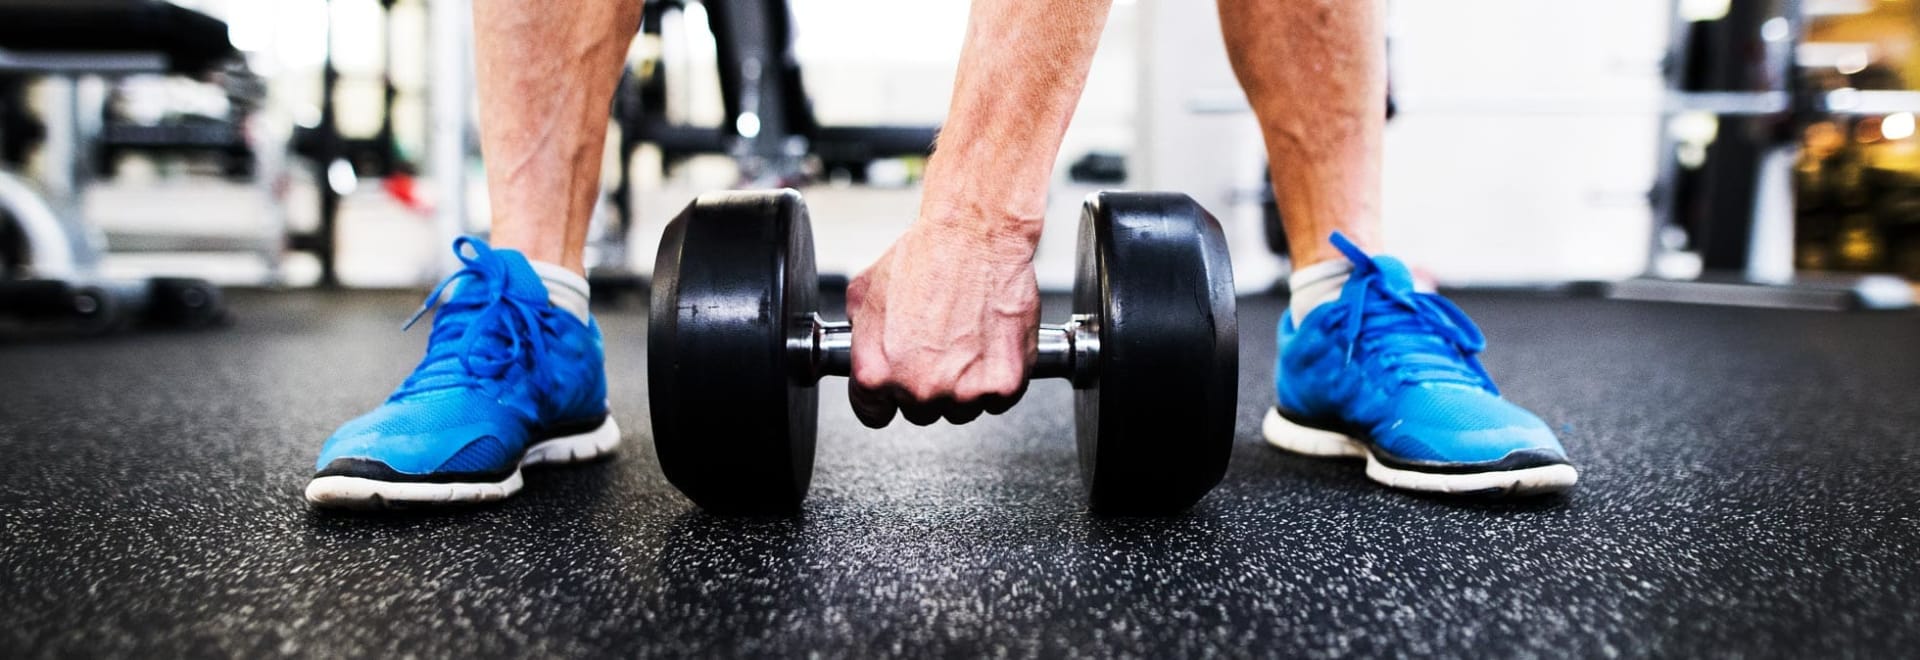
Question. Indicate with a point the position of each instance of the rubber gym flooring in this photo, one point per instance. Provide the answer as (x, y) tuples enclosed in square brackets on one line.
[(1747, 490)]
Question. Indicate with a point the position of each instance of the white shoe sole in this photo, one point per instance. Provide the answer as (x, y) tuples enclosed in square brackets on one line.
[(363, 493), (1310, 441)]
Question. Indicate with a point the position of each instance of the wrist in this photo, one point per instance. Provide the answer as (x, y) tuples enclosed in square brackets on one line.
[(981, 228), (994, 198)]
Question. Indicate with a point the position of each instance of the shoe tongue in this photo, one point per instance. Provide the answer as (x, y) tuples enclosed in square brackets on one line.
[(1394, 273), (521, 280)]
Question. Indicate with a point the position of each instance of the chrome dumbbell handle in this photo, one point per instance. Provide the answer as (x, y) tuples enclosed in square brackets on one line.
[(1069, 350)]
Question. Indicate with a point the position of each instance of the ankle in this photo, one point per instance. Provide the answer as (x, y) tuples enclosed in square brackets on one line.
[(1316, 285), (566, 288)]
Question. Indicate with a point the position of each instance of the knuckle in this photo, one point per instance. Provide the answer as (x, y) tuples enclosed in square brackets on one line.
[(997, 385), (925, 390), (870, 374), (1010, 383), (856, 291), (971, 392)]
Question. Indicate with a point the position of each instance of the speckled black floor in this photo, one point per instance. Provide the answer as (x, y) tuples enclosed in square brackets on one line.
[(1748, 489)]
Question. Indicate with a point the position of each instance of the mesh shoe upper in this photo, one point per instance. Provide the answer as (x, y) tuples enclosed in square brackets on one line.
[(1399, 367), (502, 364)]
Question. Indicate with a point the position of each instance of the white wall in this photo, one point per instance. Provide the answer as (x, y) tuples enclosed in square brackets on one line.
[(1528, 137)]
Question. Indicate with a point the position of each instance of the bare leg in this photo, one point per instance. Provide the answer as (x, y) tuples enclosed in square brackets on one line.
[(1315, 72), (546, 76)]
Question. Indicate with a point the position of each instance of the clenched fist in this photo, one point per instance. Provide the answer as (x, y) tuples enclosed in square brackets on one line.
[(946, 319)]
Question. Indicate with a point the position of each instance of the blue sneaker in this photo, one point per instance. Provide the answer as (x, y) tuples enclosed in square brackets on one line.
[(1389, 374), (509, 380)]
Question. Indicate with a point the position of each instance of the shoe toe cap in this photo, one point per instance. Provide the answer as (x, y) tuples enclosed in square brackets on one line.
[(1469, 428)]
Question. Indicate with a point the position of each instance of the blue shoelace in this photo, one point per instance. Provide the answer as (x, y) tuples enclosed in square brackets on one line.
[(477, 340), (1416, 337)]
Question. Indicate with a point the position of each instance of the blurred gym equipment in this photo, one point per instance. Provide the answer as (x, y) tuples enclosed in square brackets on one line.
[(1737, 76), (768, 126), (333, 155), (51, 269)]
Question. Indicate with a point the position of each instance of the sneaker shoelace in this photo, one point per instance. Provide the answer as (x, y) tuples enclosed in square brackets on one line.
[(477, 341), (1415, 337)]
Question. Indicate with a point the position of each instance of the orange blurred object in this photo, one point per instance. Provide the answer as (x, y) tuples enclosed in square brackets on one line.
[(1867, 131)]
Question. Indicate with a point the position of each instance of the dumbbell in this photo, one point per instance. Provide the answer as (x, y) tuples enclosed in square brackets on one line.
[(735, 347)]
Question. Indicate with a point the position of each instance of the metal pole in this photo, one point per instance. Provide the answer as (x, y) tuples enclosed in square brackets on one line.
[(452, 76), (59, 167), (327, 239), (64, 168)]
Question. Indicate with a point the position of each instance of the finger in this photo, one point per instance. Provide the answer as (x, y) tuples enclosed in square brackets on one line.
[(874, 408), (871, 403), (960, 413), (955, 410), (920, 414), (995, 404)]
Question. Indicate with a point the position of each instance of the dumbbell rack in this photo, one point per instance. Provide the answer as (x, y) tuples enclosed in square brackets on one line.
[(61, 281)]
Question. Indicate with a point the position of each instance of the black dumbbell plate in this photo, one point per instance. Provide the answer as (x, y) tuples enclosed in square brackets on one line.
[(1155, 429), (733, 427)]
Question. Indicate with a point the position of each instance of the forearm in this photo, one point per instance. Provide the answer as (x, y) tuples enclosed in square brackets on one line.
[(1021, 72)]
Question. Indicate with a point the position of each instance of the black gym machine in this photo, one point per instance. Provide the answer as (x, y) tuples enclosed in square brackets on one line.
[(768, 127)]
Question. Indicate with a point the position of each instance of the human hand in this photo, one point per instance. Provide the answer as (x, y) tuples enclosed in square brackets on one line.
[(945, 320)]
